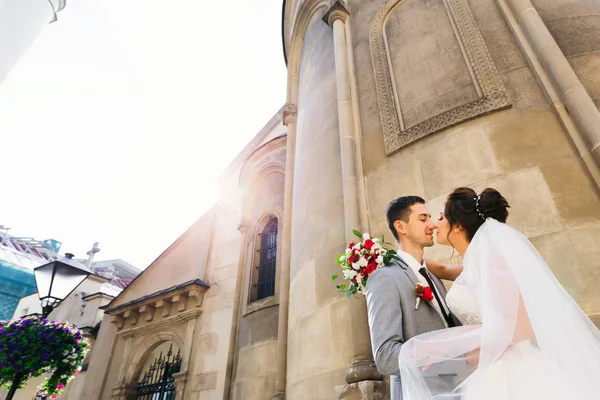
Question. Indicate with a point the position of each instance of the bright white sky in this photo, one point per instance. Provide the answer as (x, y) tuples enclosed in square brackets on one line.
[(117, 122)]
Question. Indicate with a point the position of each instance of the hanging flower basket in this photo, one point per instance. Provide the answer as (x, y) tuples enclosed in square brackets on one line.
[(33, 346)]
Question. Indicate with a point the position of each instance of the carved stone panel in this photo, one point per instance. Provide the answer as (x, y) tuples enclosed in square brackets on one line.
[(432, 69)]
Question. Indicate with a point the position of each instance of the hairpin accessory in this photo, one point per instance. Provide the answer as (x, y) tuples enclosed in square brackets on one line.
[(477, 198)]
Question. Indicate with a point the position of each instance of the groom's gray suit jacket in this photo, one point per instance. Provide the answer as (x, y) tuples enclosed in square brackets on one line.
[(393, 319)]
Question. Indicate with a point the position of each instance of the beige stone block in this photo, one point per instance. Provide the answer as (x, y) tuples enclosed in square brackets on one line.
[(524, 90), (324, 288), (500, 41), (587, 67), (522, 140), (259, 326), (586, 246), (223, 272), (207, 343), (576, 35), (389, 178), (229, 251), (552, 10), (557, 251), (198, 364), (206, 381), (252, 389), (464, 156), (302, 294), (533, 211), (312, 340), (317, 387), (340, 323), (576, 200), (257, 360)]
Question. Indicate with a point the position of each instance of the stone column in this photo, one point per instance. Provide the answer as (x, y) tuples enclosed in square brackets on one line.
[(363, 368), (289, 119), (237, 307), (180, 381), (571, 93)]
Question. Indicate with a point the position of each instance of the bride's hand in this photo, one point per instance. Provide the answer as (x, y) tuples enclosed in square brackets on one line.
[(472, 357)]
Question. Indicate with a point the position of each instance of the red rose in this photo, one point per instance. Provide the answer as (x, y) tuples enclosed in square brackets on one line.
[(363, 272), (354, 279), (368, 244), (372, 266), (351, 245), (427, 293), (354, 258)]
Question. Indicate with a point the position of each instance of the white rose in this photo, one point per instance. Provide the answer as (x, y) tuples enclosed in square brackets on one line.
[(355, 266), (380, 260), (357, 246), (366, 236), (349, 274), (348, 252), (362, 262), (375, 247)]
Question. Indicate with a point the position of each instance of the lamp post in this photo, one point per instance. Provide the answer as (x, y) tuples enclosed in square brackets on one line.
[(56, 280)]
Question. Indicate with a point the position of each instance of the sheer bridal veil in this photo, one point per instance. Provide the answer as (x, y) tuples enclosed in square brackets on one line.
[(519, 299)]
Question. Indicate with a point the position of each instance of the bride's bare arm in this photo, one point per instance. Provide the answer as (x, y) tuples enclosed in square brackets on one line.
[(448, 272)]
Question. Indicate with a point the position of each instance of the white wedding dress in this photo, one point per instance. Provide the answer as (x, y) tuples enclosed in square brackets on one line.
[(522, 372), (534, 341)]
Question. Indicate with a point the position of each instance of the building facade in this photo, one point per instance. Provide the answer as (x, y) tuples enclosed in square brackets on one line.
[(384, 99)]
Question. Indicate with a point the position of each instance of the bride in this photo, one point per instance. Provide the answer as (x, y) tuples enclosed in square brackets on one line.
[(523, 336)]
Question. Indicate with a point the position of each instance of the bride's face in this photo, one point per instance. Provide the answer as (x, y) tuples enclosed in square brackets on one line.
[(442, 229)]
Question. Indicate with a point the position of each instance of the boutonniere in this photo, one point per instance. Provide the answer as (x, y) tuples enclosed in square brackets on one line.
[(423, 292)]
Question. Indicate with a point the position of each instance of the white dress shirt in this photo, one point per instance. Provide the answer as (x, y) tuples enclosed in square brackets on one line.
[(416, 266)]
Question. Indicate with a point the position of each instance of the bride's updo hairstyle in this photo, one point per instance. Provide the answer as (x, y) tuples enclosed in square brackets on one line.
[(468, 209)]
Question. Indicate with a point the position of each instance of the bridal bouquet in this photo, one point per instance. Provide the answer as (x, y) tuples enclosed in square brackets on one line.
[(360, 260)]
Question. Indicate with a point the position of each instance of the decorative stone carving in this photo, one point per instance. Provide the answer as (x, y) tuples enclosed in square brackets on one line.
[(118, 320), (164, 306), (289, 114), (131, 315), (487, 80), (180, 302), (147, 311)]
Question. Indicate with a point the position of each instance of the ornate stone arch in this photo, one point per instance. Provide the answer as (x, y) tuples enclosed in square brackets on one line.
[(141, 351), (492, 95)]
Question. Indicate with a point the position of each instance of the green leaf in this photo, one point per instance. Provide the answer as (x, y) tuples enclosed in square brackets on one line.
[(357, 233), (334, 277), (342, 287)]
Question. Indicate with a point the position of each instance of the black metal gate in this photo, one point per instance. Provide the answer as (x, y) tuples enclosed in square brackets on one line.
[(268, 260), (157, 382)]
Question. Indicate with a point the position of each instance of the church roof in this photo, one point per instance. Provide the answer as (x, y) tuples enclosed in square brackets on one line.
[(199, 282)]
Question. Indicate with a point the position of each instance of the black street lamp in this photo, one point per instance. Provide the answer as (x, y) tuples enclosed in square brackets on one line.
[(57, 280)]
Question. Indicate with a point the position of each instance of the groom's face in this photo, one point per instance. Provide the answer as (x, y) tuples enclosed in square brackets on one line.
[(419, 228)]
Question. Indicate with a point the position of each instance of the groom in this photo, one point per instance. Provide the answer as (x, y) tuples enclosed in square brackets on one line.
[(391, 297)]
